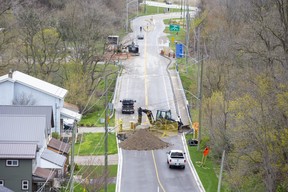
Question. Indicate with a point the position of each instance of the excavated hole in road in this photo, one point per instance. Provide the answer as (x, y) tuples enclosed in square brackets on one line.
[(142, 139)]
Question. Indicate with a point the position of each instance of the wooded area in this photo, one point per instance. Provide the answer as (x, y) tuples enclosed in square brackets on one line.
[(245, 78), (60, 41), (246, 91)]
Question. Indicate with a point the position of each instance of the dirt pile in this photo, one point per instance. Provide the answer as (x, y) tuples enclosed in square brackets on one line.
[(142, 139)]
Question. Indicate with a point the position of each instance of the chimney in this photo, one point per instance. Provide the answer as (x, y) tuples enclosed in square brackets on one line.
[(10, 74)]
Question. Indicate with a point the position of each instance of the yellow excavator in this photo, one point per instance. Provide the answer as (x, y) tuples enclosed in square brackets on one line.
[(163, 120)]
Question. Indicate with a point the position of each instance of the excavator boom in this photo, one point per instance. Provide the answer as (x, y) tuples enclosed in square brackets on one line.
[(148, 113)]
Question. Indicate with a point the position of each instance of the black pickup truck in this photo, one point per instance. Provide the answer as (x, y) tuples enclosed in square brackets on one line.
[(128, 106)]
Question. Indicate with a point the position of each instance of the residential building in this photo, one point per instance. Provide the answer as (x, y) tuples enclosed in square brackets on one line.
[(23, 89), (16, 162), (30, 129)]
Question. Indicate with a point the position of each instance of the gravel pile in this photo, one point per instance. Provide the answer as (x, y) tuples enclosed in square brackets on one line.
[(142, 139)]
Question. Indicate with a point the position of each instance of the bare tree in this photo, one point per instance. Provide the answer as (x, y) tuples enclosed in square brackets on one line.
[(24, 99)]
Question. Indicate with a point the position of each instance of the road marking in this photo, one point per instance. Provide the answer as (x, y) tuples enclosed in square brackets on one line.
[(119, 172), (156, 170), (145, 72), (192, 168)]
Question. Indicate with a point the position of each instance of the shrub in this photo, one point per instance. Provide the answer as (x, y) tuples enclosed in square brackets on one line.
[(55, 135)]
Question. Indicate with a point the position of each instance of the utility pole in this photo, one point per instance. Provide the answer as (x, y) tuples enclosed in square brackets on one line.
[(200, 105), (145, 9), (187, 37), (106, 136), (221, 171), (198, 56), (127, 17), (181, 4), (106, 132), (72, 157)]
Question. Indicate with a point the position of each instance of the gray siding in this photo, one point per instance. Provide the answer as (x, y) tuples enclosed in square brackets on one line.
[(13, 176)]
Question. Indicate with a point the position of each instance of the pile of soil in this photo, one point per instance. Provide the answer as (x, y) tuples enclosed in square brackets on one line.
[(143, 139)]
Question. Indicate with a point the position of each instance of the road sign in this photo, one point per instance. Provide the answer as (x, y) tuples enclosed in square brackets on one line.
[(179, 50), (173, 27), (172, 39)]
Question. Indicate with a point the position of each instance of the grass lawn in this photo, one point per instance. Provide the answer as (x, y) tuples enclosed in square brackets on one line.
[(206, 173), (94, 171), (94, 119), (93, 144), (152, 10), (79, 188)]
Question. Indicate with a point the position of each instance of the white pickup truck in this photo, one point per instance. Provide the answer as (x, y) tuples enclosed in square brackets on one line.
[(176, 158)]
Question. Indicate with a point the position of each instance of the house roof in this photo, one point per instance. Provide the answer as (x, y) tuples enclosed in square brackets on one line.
[(28, 109), (71, 107), (53, 157), (35, 83), (59, 145), (70, 114), (18, 150), (5, 189), (23, 128), (45, 174)]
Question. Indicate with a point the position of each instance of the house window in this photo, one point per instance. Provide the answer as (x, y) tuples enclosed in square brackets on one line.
[(12, 163), (1, 182), (25, 184)]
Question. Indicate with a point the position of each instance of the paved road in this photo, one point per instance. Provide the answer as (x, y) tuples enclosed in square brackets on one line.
[(147, 80)]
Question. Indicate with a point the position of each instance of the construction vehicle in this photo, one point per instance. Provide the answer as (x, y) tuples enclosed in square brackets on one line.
[(163, 120), (133, 49)]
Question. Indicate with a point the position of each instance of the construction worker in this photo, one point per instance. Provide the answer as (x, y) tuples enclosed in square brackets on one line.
[(179, 121)]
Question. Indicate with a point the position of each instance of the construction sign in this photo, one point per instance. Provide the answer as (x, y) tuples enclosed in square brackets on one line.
[(206, 151), (195, 126)]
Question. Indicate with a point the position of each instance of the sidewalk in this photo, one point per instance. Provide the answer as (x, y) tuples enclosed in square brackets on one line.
[(94, 129), (96, 160), (180, 98)]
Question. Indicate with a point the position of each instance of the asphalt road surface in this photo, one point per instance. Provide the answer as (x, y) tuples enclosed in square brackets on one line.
[(145, 79)]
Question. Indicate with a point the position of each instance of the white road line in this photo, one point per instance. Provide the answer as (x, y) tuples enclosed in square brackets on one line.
[(119, 170), (192, 168)]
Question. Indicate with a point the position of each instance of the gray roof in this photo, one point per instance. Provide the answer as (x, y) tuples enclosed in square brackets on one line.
[(23, 128), (5, 189), (18, 150), (35, 83), (53, 157), (31, 110)]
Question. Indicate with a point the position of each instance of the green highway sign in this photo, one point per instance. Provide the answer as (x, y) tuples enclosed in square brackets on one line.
[(174, 27)]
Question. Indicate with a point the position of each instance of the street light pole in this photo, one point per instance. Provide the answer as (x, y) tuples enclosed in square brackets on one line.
[(127, 17), (200, 105), (106, 132), (187, 35)]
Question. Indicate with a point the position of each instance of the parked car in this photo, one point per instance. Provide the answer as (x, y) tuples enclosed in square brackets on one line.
[(168, 2), (176, 158), (140, 36), (133, 49), (68, 124)]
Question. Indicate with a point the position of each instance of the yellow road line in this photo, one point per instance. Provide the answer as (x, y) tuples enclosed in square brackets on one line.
[(145, 72), (156, 170)]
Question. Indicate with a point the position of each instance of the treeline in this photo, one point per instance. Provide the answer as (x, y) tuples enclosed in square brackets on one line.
[(59, 41), (246, 91)]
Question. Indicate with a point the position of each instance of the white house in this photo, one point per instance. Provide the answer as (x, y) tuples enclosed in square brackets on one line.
[(17, 88)]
